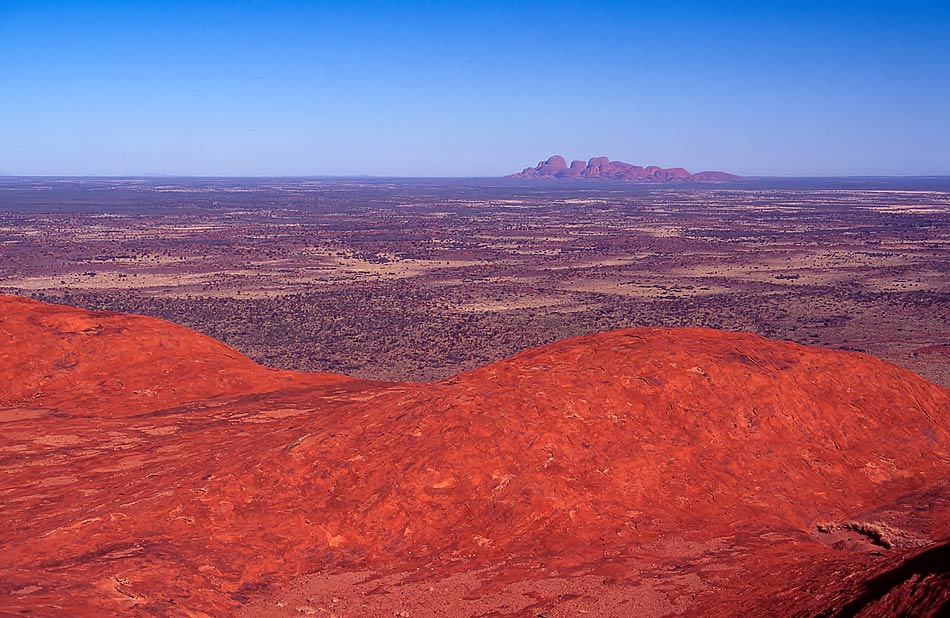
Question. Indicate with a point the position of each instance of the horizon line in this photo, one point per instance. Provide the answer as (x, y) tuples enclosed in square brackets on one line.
[(447, 177)]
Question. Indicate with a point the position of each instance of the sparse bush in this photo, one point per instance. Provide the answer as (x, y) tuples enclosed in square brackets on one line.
[(825, 527), (879, 532)]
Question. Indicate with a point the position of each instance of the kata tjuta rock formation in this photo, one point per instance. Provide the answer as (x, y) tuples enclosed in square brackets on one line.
[(148, 470), (604, 169)]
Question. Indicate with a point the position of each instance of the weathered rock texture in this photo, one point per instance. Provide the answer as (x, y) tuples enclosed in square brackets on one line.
[(149, 470)]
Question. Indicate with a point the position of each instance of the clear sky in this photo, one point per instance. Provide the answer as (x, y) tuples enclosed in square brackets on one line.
[(253, 87)]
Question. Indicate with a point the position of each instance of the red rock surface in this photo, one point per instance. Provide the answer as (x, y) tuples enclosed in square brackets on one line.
[(603, 168), (68, 360), (637, 472)]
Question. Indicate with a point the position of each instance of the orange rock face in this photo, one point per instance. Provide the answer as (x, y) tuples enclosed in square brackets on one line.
[(148, 470), (109, 364)]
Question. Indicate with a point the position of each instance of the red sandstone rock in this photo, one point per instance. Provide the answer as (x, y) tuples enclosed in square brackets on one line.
[(603, 168), (148, 470), (56, 357), (553, 166)]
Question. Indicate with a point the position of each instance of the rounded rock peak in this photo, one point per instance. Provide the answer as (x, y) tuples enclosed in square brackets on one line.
[(118, 364), (556, 162)]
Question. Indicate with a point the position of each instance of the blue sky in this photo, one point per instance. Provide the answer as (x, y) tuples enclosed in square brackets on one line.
[(246, 87)]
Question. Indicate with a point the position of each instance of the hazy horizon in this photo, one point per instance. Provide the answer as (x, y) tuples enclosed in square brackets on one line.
[(565, 181), (456, 90)]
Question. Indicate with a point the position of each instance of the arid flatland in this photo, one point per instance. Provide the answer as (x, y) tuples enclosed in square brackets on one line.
[(421, 279)]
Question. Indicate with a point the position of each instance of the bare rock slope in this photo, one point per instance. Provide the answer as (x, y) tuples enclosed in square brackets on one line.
[(149, 470)]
